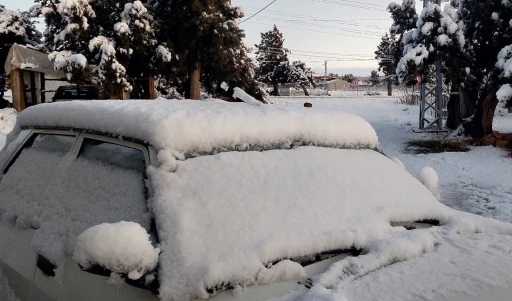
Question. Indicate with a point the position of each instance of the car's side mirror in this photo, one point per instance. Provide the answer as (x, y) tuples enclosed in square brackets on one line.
[(124, 248)]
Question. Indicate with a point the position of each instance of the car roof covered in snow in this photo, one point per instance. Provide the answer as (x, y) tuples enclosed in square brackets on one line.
[(190, 126)]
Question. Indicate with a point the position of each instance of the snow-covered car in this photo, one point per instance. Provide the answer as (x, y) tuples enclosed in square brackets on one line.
[(186, 200)]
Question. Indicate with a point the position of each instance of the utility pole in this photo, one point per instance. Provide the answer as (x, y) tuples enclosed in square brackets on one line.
[(431, 94), (325, 77)]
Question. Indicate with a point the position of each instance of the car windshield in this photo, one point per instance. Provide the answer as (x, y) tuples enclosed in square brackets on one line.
[(76, 93)]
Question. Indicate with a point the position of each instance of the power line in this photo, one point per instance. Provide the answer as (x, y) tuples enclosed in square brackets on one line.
[(354, 2), (254, 15), (357, 31), (352, 5), (281, 13), (309, 30)]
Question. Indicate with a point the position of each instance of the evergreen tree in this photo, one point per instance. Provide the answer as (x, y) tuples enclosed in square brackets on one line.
[(349, 78), (15, 27), (467, 37), (207, 41), (102, 42), (272, 58), (387, 53), (374, 77), (300, 76)]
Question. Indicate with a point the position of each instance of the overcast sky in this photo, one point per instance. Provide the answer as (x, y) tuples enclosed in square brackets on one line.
[(344, 32)]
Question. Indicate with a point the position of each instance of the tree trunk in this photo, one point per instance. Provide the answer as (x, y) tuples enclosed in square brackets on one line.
[(390, 87), (195, 80), (276, 89), (467, 104), (480, 123), (454, 118), (305, 90)]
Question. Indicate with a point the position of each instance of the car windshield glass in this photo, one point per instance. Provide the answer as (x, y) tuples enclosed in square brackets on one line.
[(77, 93), (113, 154)]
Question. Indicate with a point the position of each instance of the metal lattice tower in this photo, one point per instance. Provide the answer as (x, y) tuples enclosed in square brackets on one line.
[(431, 94)]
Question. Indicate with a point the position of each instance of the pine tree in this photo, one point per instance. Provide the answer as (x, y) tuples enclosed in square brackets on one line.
[(16, 27), (272, 58), (102, 42), (374, 77), (300, 76), (207, 41), (388, 53), (349, 78)]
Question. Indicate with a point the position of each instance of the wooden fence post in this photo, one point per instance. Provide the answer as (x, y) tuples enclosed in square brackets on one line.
[(18, 90)]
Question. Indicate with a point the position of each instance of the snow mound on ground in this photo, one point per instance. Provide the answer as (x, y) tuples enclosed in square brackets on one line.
[(7, 120), (124, 248), (210, 125), (428, 177)]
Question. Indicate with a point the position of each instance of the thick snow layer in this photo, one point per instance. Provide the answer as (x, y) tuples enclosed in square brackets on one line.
[(463, 254), (124, 248), (504, 93), (428, 177), (287, 204), (7, 121), (62, 203), (6, 292), (210, 125), (248, 99)]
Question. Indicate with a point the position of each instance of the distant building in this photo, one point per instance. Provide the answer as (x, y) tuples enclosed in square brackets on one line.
[(337, 84)]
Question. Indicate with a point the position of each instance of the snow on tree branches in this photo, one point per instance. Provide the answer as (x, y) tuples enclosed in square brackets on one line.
[(466, 36), (106, 43), (272, 59), (15, 27)]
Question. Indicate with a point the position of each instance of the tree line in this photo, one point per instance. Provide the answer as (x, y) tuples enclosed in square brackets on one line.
[(191, 47)]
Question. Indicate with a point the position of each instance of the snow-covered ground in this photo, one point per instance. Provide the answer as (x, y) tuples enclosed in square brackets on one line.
[(7, 121), (476, 181)]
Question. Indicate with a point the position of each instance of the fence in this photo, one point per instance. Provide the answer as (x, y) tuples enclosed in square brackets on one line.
[(502, 119)]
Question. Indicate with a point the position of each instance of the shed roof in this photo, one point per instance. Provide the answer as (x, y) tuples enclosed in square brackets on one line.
[(26, 58)]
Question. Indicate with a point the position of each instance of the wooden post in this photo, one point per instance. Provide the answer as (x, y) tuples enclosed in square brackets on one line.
[(152, 94), (18, 90)]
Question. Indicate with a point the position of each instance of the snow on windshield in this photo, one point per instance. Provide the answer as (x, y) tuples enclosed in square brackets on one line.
[(221, 218)]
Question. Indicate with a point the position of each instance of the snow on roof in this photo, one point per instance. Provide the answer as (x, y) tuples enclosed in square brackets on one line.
[(27, 58), (189, 126)]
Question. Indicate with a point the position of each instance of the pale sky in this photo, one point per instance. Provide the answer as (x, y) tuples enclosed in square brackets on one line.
[(344, 32)]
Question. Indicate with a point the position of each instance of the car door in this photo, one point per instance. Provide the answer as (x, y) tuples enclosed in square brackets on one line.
[(104, 182), (24, 183)]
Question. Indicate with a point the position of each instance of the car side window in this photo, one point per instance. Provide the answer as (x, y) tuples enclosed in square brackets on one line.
[(41, 144), (29, 179), (113, 154), (61, 196)]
